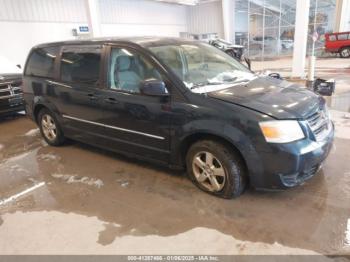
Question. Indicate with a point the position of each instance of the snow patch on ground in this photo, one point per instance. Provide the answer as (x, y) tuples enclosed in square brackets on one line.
[(48, 157), (52, 232), (123, 183), (32, 132), (16, 169), (347, 234), (341, 121), (72, 179)]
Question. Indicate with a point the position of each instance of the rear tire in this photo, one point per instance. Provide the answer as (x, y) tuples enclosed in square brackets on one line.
[(345, 52), (216, 169), (50, 128)]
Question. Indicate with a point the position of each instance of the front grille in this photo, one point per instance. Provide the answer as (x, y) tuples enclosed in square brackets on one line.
[(320, 124), (5, 91), (309, 173), (292, 180), (10, 90)]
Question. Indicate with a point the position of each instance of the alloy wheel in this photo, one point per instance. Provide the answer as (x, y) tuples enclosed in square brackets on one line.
[(49, 127), (346, 52), (208, 171)]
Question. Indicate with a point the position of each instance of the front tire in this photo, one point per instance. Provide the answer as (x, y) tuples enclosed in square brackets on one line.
[(50, 128), (216, 169), (345, 52)]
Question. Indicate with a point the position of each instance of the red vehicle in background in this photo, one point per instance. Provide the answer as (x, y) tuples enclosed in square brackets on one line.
[(338, 43)]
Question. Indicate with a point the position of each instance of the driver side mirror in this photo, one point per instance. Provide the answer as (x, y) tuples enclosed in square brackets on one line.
[(153, 87)]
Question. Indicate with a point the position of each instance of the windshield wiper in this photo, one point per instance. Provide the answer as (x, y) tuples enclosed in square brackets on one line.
[(208, 83)]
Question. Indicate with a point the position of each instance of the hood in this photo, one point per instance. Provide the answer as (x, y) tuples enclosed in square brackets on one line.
[(10, 78), (276, 98)]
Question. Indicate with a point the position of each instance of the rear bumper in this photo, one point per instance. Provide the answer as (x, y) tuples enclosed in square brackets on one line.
[(289, 165)]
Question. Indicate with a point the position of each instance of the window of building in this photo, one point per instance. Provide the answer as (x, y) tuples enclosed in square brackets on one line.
[(266, 28)]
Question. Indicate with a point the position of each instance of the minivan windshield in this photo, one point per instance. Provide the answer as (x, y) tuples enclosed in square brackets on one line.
[(200, 65)]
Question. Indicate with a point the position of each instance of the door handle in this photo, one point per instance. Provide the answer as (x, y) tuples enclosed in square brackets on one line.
[(111, 100), (92, 97)]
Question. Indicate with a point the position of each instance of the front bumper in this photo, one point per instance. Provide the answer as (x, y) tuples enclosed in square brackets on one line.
[(10, 105), (291, 164)]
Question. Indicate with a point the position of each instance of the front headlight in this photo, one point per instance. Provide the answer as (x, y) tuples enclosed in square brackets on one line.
[(281, 131)]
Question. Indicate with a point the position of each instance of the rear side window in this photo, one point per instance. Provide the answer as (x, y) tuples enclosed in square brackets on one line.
[(41, 62), (81, 64), (343, 37)]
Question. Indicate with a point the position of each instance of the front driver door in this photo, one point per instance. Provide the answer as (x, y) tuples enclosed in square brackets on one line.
[(134, 122)]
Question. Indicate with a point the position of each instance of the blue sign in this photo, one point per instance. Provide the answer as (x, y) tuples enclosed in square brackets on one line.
[(83, 29)]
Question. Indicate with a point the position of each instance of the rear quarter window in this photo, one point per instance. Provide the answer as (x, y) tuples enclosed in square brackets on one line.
[(41, 62)]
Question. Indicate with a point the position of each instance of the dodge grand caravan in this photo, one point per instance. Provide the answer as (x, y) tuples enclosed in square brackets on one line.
[(181, 103)]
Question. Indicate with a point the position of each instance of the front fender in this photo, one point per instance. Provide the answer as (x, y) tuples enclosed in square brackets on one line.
[(233, 135)]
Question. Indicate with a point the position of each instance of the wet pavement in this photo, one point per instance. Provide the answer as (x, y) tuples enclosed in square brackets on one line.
[(76, 199)]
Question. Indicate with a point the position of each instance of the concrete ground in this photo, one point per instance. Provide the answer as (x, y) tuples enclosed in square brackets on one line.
[(77, 199), (326, 68)]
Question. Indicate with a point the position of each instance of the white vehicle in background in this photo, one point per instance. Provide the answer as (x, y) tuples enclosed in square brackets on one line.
[(236, 51), (287, 43)]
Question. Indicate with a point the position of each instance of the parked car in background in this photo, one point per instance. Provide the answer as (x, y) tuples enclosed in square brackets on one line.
[(236, 51), (287, 43), (180, 103), (11, 98), (338, 43)]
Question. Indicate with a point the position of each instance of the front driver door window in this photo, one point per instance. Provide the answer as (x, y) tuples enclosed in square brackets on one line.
[(128, 70), (135, 122)]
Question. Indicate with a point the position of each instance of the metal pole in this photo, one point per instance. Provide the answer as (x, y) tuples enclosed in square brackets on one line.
[(248, 33), (312, 57), (300, 37), (263, 35), (279, 30)]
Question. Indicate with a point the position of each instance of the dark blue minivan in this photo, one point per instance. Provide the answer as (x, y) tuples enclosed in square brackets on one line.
[(180, 103)]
